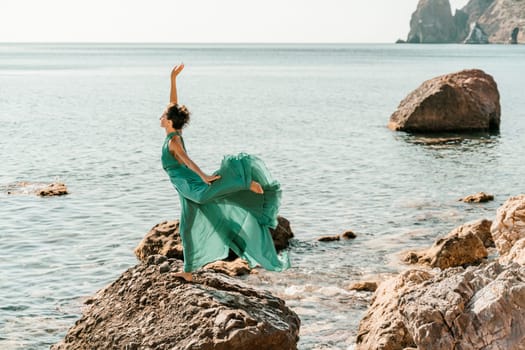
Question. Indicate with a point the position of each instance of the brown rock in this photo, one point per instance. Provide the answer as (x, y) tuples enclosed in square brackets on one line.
[(348, 235), (509, 225), (237, 267), (382, 327), (480, 308), (479, 197), (366, 286), (282, 234), (516, 253), (144, 309), (461, 246), (40, 189), (462, 101), (163, 239)]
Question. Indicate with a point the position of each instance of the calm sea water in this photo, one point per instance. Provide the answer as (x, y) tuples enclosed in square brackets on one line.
[(87, 115)]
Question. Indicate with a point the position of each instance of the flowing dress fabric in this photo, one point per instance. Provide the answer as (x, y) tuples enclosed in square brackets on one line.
[(226, 214)]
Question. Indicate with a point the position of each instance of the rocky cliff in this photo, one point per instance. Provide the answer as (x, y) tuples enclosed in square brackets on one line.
[(501, 20)]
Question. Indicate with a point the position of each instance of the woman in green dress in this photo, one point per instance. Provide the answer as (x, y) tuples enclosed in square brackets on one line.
[(231, 209)]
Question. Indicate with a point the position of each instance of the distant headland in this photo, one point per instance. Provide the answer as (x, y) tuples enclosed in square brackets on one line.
[(478, 22)]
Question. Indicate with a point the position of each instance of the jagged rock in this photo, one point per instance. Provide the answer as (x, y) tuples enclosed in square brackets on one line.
[(514, 36), (237, 267), (476, 35), (382, 327), (479, 197), (479, 308), (40, 189), (516, 253), (164, 239), (509, 225), (464, 101), (146, 309), (432, 22), (367, 286), (500, 18), (461, 246)]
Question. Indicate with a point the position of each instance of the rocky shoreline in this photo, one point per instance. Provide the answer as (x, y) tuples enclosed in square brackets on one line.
[(468, 301)]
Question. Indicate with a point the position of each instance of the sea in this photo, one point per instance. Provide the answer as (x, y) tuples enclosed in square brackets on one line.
[(88, 115)]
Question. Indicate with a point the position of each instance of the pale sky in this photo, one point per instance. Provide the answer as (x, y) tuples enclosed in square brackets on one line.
[(207, 21)]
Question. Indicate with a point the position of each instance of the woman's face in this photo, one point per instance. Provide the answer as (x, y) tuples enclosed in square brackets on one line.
[(164, 122)]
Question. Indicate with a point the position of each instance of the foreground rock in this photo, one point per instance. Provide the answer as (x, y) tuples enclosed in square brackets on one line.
[(464, 245), (462, 101), (509, 225), (147, 309), (38, 188), (383, 327), (477, 308), (164, 239), (480, 197)]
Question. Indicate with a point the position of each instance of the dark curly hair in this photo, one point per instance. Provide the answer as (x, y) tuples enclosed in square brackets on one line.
[(178, 114)]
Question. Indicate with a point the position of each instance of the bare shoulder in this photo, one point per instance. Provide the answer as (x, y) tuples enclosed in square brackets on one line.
[(175, 142)]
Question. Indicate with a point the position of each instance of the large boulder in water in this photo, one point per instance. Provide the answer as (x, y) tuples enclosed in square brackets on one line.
[(464, 101), (432, 22), (147, 307)]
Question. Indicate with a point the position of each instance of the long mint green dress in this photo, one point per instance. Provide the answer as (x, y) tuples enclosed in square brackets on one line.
[(226, 214)]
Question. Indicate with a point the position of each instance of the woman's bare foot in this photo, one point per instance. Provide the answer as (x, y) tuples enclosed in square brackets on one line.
[(187, 276), (256, 187)]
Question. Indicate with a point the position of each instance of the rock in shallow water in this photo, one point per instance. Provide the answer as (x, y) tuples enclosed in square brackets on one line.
[(464, 101), (465, 244), (147, 309)]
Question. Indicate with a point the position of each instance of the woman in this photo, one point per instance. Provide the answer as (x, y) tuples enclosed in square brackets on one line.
[(231, 209)]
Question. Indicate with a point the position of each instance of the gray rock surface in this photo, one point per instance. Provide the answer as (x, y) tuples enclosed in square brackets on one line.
[(464, 101), (476, 35), (147, 309)]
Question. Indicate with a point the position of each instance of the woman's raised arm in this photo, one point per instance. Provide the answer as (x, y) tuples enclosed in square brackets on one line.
[(173, 89)]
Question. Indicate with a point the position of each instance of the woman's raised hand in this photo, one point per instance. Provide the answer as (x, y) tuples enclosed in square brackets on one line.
[(176, 70), (210, 178)]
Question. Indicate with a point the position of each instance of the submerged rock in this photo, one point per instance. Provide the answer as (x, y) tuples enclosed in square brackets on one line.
[(40, 189), (345, 235), (479, 197), (464, 245), (147, 309), (464, 101)]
